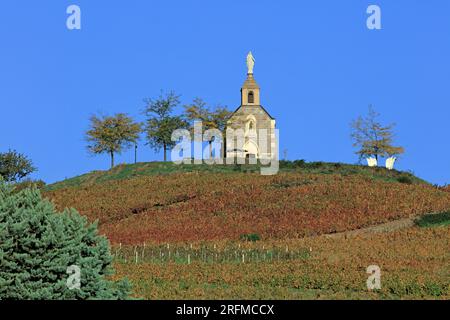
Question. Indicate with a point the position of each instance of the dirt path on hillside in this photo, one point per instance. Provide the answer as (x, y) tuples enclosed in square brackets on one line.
[(380, 228)]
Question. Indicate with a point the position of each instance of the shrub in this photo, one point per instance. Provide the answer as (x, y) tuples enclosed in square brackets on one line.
[(237, 167), (433, 220), (290, 184), (285, 164), (316, 165), (28, 183), (435, 289), (299, 163), (405, 179), (38, 245), (250, 237)]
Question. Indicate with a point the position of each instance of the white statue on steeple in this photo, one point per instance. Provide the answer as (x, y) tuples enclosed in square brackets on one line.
[(250, 63)]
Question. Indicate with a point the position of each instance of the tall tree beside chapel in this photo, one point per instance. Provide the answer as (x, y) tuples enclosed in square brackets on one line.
[(211, 118), (161, 122), (112, 134)]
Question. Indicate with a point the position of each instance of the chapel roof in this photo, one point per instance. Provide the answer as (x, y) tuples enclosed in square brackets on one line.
[(254, 106), (250, 82)]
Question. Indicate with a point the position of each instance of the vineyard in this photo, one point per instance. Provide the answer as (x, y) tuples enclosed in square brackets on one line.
[(414, 264), (208, 253), (202, 206), (228, 232)]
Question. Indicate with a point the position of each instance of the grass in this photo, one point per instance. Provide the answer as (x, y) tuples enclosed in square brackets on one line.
[(434, 220), (128, 171)]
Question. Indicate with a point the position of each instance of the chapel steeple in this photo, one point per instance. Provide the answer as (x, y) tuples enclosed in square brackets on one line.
[(250, 89)]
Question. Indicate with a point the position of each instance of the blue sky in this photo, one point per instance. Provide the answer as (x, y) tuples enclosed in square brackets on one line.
[(317, 64)]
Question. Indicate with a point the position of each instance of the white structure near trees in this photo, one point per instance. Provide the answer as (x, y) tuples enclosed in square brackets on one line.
[(372, 162), (390, 162)]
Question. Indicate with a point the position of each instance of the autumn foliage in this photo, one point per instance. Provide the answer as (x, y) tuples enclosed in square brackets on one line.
[(413, 262), (224, 206)]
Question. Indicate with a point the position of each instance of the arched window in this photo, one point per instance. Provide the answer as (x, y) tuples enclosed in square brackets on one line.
[(251, 98)]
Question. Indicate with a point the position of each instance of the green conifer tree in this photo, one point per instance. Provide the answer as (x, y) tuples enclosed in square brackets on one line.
[(38, 245)]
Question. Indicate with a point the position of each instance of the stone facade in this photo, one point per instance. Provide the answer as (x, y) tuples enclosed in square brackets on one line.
[(256, 124)]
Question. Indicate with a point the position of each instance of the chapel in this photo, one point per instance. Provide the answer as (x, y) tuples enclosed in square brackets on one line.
[(257, 125)]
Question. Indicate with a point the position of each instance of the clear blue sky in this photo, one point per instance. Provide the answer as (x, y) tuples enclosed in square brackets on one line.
[(317, 64)]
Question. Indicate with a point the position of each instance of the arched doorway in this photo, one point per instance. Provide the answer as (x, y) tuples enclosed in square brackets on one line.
[(251, 149)]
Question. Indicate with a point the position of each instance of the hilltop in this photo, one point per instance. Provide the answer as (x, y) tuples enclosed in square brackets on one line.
[(128, 171)]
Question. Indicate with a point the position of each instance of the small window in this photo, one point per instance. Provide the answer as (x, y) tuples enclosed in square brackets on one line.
[(251, 98)]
